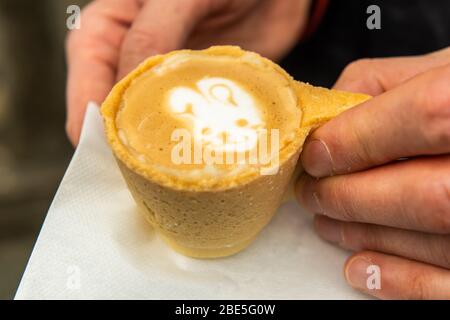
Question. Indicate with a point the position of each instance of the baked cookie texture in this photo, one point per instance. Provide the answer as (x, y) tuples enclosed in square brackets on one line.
[(319, 105), (212, 218)]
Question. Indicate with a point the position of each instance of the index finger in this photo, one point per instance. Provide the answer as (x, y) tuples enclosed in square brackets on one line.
[(160, 26), (410, 120), (375, 76), (92, 57)]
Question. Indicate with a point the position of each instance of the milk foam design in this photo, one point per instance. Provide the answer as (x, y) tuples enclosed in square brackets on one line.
[(223, 115)]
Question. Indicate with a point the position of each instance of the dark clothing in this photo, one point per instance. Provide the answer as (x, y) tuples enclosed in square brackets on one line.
[(408, 27)]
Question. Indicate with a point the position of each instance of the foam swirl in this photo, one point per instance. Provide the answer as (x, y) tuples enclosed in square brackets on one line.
[(223, 115)]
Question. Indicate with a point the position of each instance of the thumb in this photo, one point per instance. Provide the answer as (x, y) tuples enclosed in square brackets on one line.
[(375, 76), (161, 26)]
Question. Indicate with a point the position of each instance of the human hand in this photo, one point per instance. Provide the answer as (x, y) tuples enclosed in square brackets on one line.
[(116, 35), (379, 176)]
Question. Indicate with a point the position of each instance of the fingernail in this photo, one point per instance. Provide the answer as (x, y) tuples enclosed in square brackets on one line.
[(356, 272), (316, 159), (307, 195), (328, 229)]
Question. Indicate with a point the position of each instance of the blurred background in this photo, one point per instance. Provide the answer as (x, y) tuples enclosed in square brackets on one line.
[(34, 150)]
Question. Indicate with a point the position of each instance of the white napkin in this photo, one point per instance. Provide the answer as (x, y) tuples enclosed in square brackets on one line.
[(94, 244)]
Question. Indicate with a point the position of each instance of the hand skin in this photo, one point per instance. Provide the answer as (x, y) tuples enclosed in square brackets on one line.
[(116, 35), (378, 176)]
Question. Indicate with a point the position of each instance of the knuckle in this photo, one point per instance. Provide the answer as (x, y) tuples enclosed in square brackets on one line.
[(361, 236), (80, 38), (434, 107), (372, 239), (140, 40), (352, 72), (359, 65), (364, 154), (73, 39), (339, 197), (359, 75), (437, 198)]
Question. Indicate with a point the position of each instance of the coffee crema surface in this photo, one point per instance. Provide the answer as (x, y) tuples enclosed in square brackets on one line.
[(202, 117)]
